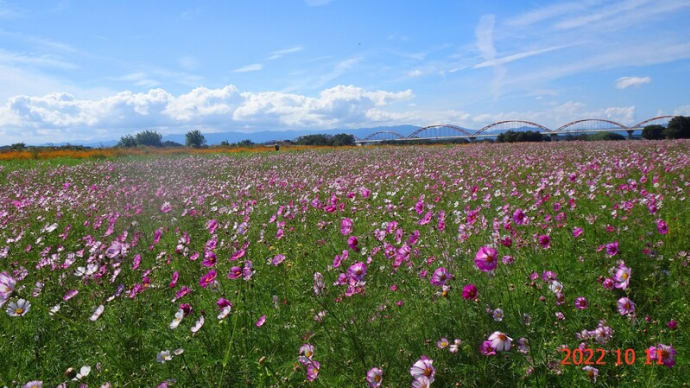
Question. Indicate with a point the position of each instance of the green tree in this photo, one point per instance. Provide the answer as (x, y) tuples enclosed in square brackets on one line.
[(195, 139), (127, 141), (343, 139), (606, 136), (224, 143), (149, 138), (653, 132), (678, 128)]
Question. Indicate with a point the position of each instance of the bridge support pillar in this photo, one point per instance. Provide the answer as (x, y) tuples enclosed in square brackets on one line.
[(630, 133), (472, 139), (554, 137)]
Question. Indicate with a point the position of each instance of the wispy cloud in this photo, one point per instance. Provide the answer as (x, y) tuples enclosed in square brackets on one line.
[(516, 56), (188, 62), (485, 44), (281, 53), (139, 79), (546, 13), (248, 68), (35, 60), (626, 82)]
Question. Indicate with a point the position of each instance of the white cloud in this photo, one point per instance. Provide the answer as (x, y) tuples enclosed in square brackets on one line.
[(281, 53), (49, 61), (546, 13), (683, 110), (66, 118), (252, 67), (414, 73), (626, 82)]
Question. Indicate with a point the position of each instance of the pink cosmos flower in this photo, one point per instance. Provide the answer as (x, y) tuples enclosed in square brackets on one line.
[(581, 303), (207, 279), (519, 217), (223, 303), (352, 243), (622, 277), (485, 259), (625, 306), (499, 341), (136, 261), (235, 272), (313, 370), (375, 377), (486, 349), (173, 280), (508, 260), (469, 291), (424, 367), (667, 354), (422, 382), (357, 271), (277, 259), (261, 321), (545, 241), (672, 324), (608, 283), (440, 277), (212, 225), (346, 226), (662, 227), (69, 295), (319, 284), (577, 232), (307, 350), (7, 285), (166, 207), (591, 372)]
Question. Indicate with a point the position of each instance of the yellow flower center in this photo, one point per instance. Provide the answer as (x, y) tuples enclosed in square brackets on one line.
[(377, 378), (624, 276), (427, 371), (502, 337), (19, 311)]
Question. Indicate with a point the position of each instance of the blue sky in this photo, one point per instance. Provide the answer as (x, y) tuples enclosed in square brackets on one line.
[(90, 71)]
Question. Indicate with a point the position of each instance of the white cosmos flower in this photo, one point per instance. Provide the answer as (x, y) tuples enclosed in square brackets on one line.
[(224, 312), (83, 372), (177, 320), (556, 286), (55, 309), (18, 308), (97, 313), (164, 356), (500, 341), (198, 324)]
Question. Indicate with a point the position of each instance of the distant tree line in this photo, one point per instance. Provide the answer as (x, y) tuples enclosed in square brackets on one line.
[(514, 137), (677, 128), (341, 139), (150, 138)]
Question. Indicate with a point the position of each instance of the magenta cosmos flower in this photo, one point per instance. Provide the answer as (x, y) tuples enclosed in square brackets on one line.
[(667, 354), (485, 259), (577, 232), (625, 306), (469, 291), (374, 377), (662, 227), (545, 241), (622, 277), (261, 321), (440, 277), (277, 259), (612, 248), (208, 278), (486, 349), (519, 217)]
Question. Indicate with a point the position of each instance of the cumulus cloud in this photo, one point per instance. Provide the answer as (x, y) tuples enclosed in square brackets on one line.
[(626, 82), (69, 118)]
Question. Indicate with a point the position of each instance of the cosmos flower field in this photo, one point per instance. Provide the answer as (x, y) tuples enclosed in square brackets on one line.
[(561, 264)]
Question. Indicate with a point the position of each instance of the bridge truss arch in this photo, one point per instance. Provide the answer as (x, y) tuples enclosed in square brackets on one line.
[(461, 130), (590, 122), (504, 122), (389, 135), (645, 122)]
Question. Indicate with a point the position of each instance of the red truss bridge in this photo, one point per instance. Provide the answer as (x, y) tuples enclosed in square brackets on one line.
[(449, 131)]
